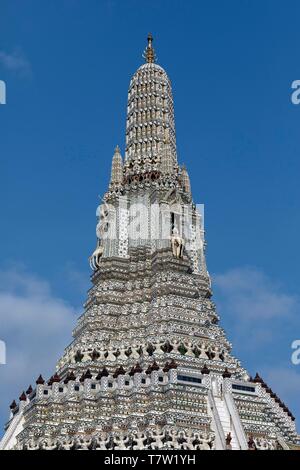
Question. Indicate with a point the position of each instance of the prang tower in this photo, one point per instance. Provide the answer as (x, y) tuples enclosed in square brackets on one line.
[(149, 366)]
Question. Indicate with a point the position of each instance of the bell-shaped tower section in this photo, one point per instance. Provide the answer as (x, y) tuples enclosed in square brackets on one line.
[(150, 117)]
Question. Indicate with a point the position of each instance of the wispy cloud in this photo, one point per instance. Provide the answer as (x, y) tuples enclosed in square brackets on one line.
[(286, 381), (35, 325), (252, 295), (16, 62), (255, 306), (262, 319), (79, 280)]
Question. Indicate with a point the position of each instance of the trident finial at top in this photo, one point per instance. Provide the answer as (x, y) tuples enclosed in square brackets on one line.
[(149, 53)]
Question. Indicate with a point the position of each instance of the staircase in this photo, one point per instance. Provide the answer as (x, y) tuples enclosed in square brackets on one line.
[(16, 426), (226, 422)]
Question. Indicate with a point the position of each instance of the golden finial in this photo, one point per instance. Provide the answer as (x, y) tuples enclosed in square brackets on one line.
[(149, 53)]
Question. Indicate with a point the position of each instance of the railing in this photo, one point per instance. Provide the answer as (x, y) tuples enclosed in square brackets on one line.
[(282, 443), (12, 431), (220, 438), (236, 422)]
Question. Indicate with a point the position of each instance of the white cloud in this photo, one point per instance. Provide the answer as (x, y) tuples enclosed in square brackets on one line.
[(252, 295), (35, 325), (15, 62), (260, 316), (78, 279), (262, 320), (285, 381)]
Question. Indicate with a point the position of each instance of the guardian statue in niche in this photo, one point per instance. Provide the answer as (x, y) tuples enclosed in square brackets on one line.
[(177, 243)]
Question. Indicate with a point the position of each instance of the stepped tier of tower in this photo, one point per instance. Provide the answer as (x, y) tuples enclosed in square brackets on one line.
[(150, 304), (149, 366), (153, 408)]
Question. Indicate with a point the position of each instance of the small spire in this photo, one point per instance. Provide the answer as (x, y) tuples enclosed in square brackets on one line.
[(56, 378), (205, 369), (40, 380), (23, 397), (103, 373), (13, 405), (88, 374), (117, 168), (172, 365), (226, 374), (186, 180), (149, 54), (70, 377), (138, 369), (29, 390), (155, 366)]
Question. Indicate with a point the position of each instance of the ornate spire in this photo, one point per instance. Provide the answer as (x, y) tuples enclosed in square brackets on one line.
[(116, 168), (150, 112), (149, 53), (186, 184)]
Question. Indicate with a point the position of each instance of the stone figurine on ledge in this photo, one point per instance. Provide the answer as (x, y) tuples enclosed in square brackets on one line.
[(177, 243)]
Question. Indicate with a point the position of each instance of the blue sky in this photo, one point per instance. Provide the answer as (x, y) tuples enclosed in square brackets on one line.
[(67, 66)]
